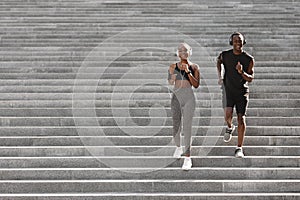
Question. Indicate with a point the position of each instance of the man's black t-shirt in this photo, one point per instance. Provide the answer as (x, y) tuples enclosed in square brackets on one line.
[(233, 81)]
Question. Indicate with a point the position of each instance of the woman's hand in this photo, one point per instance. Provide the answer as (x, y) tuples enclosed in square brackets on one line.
[(186, 68), (173, 77)]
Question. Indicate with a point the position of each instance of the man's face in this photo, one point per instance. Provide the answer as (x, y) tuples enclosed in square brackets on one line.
[(237, 42)]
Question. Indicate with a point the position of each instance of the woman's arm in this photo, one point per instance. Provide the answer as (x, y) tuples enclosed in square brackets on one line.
[(171, 75), (194, 79)]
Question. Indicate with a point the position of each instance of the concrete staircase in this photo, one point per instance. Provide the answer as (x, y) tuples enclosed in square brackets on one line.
[(85, 106)]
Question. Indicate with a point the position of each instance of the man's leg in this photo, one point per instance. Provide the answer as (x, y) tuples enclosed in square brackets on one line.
[(241, 129), (230, 127), (228, 116), (241, 108), (228, 104)]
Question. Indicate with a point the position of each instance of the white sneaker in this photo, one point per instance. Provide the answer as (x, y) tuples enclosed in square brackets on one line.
[(228, 133), (187, 164), (178, 152), (239, 152)]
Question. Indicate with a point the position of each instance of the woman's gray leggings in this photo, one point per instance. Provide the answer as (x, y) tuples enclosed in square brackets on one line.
[(183, 108)]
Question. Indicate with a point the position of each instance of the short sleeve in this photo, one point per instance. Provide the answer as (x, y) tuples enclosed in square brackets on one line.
[(220, 57)]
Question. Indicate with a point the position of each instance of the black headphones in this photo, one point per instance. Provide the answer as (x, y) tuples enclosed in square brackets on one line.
[(236, 33)]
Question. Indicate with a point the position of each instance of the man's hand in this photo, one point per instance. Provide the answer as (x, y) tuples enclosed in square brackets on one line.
[(220, 82), (239, 68)]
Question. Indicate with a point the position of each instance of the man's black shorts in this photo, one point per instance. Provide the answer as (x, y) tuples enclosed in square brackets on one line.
[(239, 101)]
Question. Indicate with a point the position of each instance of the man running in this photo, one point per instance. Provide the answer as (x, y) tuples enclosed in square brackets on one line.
[(238, 71)]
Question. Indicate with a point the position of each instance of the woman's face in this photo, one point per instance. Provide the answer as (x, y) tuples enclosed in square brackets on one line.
[(183, 52)]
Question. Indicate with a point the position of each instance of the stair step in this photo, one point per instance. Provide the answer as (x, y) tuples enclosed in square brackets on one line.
[(175, 173), (144, 140), (40, 64), (118, 76), (127, 82), (147, 162), (140, 186), (152, 196), (24, 151), (107, 104), (140, 112), (133, 89), (144, 130), (91, 120), (137, 97), (17, 53)]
